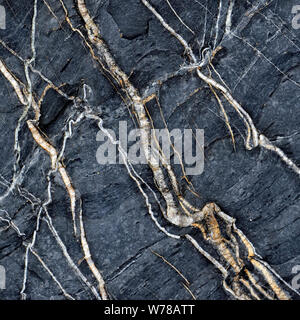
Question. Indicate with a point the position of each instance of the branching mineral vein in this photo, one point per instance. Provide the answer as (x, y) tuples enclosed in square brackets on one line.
[(241, 286), (252, 132), (55, 165)]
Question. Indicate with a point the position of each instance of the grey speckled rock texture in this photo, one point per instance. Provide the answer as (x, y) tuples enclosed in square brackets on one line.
[(253, 49)]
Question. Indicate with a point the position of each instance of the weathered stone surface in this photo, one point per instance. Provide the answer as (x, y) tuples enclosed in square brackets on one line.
[(261, 67)]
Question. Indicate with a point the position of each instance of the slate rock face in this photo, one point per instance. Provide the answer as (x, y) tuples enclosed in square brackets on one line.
[(257, 59)]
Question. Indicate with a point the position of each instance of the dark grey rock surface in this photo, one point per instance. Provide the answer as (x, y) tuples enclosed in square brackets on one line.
[(261, 66)]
